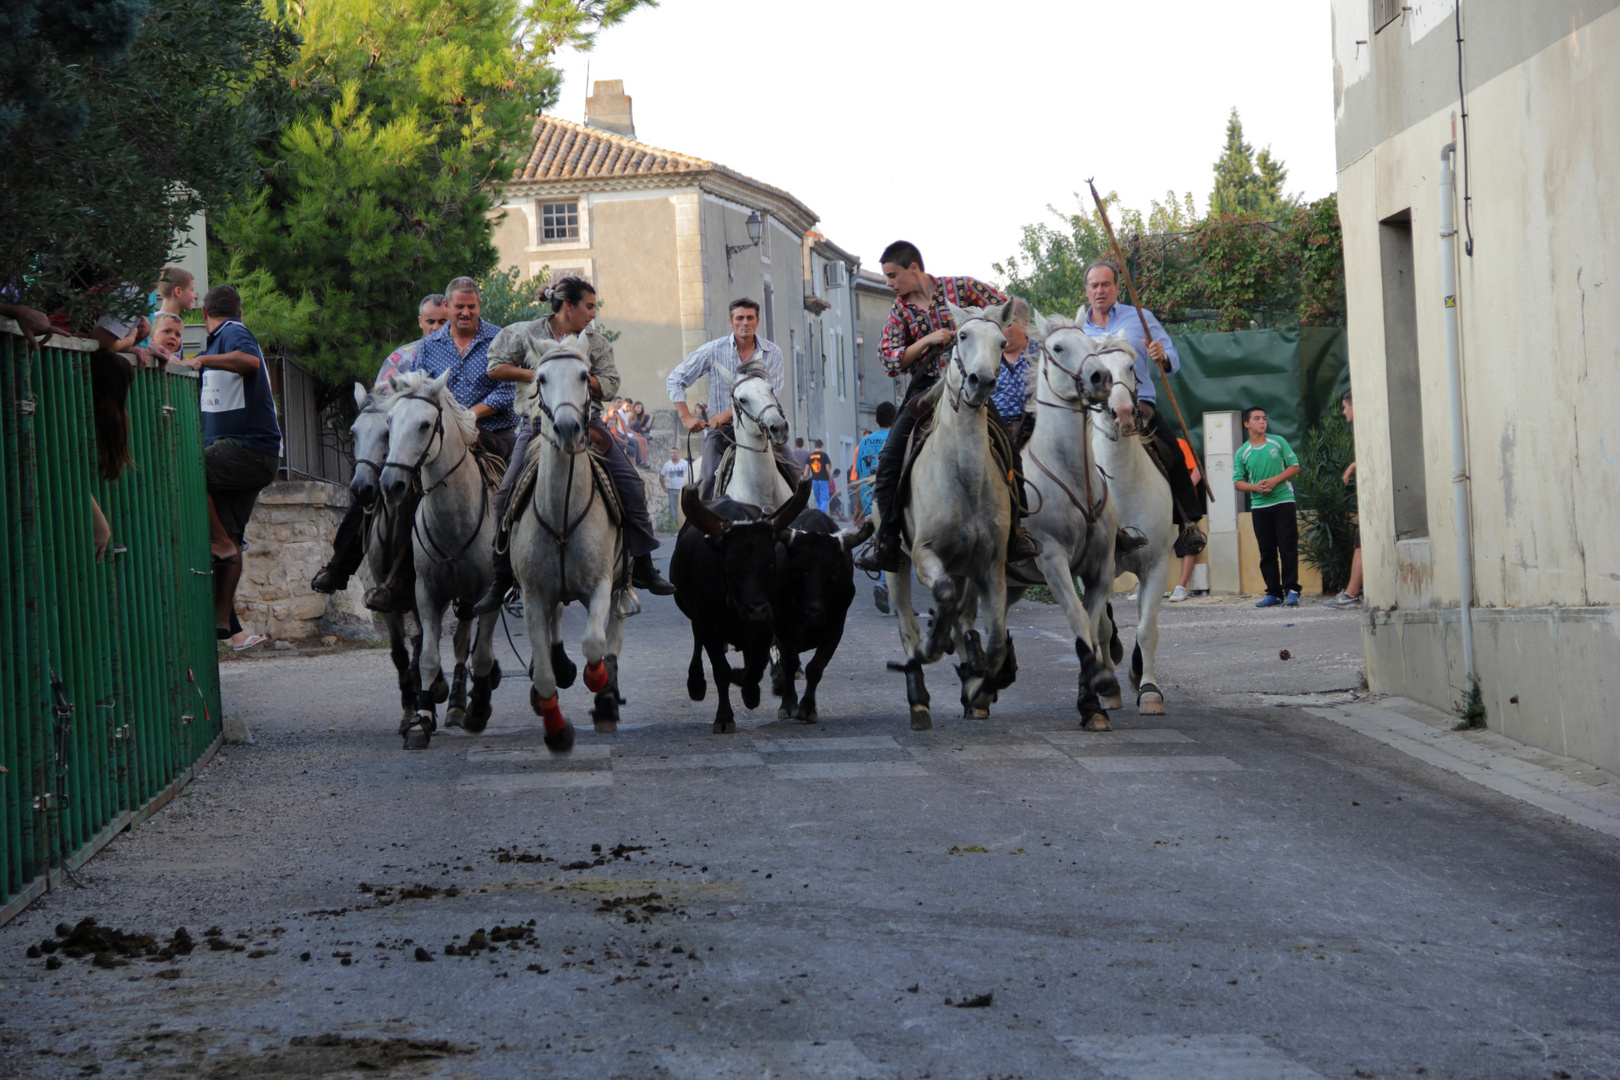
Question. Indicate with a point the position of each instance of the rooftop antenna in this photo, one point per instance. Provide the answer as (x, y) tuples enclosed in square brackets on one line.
[(587, 117)]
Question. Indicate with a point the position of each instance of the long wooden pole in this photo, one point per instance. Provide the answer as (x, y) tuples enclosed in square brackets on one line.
[(1147, 335)]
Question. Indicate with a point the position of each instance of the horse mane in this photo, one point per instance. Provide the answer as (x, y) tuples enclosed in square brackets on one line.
[(465, 422)]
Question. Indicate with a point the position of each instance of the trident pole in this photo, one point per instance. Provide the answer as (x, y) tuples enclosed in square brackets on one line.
[(1147, 335)]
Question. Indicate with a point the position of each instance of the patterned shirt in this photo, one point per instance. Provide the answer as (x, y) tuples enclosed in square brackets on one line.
[(470, 383), (720, 357), (511, 346), (1012, 383), (909, 323), (399, 361), (1122, 319)]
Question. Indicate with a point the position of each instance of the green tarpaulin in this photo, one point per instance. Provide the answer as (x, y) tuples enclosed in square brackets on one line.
[(1295, 375)]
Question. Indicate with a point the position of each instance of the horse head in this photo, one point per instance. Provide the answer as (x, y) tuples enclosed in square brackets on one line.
[(1107, 369), (1065, 351), (976, 360), (369, 437), (754, 406), (562, 387), (422, 420)]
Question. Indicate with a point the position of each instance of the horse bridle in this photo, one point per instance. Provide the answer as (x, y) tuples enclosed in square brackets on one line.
[(546, 410), (415, 472), (960, 395), (1084, 406), (377, 467), (757, 420)]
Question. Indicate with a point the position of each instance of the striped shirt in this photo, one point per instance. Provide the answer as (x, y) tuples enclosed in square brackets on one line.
[(719, 361)]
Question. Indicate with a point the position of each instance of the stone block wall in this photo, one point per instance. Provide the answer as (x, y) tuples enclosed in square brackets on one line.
[(290, 538)]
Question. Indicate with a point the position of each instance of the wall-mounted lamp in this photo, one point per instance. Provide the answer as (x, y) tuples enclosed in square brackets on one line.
[(756, 232)]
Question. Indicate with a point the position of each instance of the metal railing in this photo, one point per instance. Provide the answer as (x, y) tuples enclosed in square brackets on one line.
[(109, 674)]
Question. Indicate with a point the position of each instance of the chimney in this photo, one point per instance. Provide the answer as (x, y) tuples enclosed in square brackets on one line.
[(608, 108)]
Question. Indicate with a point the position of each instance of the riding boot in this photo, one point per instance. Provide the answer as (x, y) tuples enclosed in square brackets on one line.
[(883, 554), (503, 582), (644, 575), (348, 551), (1020, 544), (397, 591)]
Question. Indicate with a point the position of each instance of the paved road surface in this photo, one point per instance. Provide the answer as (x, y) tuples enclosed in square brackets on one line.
[(1235, 891)]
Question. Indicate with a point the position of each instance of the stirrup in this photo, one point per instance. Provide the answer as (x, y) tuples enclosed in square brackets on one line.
[(1193, 540), (1126, 542), (1021, 545)]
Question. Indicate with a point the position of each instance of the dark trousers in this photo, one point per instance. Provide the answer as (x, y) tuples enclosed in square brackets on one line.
[(638, 532), (1188, 500), (886, 476), (1276, 531), (349, 545)]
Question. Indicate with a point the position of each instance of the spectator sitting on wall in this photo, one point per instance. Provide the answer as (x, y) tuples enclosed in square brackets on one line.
[(432, 313), (241, 446), (1263, 467), (1350, 595), (636, 425)]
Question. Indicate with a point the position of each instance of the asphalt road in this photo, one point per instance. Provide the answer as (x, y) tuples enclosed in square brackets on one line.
[(1235, 890)]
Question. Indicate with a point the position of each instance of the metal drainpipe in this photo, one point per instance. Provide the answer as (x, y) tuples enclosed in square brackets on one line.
[(1459, 452)]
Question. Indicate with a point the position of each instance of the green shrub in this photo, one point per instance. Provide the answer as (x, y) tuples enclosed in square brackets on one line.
[(1327, 505)]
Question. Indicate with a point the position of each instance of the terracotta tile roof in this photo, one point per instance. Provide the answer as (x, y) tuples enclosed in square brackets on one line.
[(566, 151)]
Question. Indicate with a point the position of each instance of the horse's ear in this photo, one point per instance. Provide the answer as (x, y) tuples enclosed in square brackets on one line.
[(703, 519), (1038, 324), (1004, 315), (959, 315), (359, 395), (436, 387)]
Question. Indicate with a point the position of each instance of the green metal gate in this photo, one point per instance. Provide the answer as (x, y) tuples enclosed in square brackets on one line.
[(109, 674)]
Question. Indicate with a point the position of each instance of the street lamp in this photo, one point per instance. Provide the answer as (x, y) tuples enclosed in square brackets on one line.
[(756, 232)]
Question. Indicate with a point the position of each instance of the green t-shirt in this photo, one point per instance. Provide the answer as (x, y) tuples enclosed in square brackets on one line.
[(1256, 463)]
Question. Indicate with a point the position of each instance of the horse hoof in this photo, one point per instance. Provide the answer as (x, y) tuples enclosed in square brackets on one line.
[(1112, 701), (696, 688), (1150, 702), (440, 690), (725, 727), (476, 718), (921, 718), (417, 737), (604, 726), (750, 695), (805, 716), (1097, 721), (784, 713), (455, 718), (973, 712), (560, 742)]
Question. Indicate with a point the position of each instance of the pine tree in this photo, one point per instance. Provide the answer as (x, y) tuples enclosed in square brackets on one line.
[(381, 186), (1247, 183)]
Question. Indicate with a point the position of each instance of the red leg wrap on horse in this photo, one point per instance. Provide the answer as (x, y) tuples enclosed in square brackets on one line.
[(551, 715), (596, 676)]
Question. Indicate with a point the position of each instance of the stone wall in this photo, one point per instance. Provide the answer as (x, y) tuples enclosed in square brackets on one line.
[(289, 539)]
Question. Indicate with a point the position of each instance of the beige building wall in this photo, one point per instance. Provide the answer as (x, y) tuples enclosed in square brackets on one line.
[(1540, 341)]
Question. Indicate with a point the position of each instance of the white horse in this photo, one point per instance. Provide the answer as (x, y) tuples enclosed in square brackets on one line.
[(1139, 489), (564, 546), (759, 426), (369, 435), (957, 522), (1074, 518), (430, 441)]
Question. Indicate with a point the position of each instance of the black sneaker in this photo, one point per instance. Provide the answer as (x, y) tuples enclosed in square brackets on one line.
[(495, 595)]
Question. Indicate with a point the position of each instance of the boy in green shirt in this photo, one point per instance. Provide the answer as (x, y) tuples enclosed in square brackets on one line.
[(1263, 467)]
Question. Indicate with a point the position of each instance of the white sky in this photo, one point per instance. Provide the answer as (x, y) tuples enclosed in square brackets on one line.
[(954, 124)]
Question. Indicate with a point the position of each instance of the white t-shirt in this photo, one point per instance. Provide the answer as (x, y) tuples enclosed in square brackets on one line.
[(675, 474)]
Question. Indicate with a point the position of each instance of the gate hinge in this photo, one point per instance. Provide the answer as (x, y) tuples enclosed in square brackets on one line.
[(168, 410), (187, 718), (26, 406), (44, 802), (121, 732)]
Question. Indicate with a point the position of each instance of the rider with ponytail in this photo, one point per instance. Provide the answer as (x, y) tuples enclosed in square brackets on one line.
[(573, 308)]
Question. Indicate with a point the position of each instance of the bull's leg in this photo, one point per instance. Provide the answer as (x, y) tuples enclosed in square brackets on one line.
[(755, 657), (813, 671), (785, 683), (486, 675), (725, 721), (695, 685)]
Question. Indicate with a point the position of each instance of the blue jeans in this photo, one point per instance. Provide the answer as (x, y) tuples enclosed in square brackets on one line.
[(822, 492)]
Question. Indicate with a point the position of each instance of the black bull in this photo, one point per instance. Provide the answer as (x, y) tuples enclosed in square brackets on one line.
[(815, 584), (724, 571)]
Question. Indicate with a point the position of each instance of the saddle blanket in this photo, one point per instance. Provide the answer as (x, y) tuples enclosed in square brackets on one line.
[(599, 477)]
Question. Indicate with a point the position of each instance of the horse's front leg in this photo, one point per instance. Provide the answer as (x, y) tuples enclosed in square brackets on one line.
[(455, 713), (931, 573), (601, 666), (561, 667), (429, 675), (401, 653), (1149, 698), (486, 675), (537, 612)]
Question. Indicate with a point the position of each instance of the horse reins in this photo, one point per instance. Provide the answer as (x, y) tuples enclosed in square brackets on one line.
[(562, 538), (419, 527), (759, 420)]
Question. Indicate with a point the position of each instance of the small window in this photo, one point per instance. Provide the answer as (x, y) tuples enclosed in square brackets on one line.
[(559, 222)]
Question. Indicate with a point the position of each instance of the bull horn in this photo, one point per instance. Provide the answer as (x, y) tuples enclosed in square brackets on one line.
[(706, 521), (854, 538), (792, 508)]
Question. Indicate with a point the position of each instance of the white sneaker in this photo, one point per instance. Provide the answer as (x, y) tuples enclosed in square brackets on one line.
[(1178, 594), (1131, 595)]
